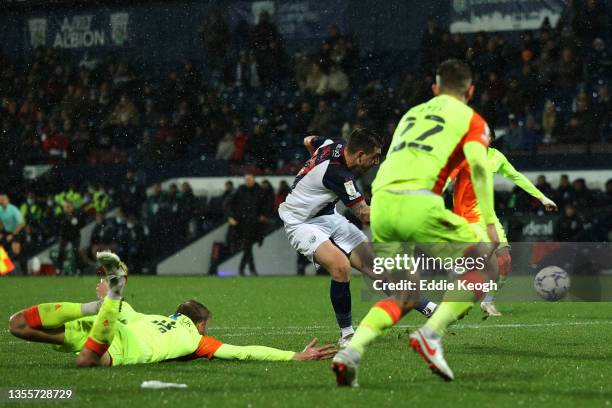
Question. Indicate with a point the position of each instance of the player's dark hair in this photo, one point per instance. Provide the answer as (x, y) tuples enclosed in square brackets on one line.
[(362, 139), (194, 310), (454, 76)]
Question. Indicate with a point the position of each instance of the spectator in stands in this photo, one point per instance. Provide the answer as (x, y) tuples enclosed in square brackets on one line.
[(530, 135), (599, 61), (316, 79), (187, 210), (246, 208), (31, 210), (102, 238), (70, 224), (163, 140), (550, 124), (568, 70), (568, 227), (265, 42), (338, 82), (13, 222), (131, 194), (267, 197), (226, 147), (590, 20), (218, 208), (565, 192), (157, 213), (602, 112), (216, 36), (608, 192), (124, 119), (544, 186), (582, 197), (81, 143), (303, 118), (324, 121), (130, 238), (281, 194), (259, 150), (580, 127), (54, 143), (429, 44)]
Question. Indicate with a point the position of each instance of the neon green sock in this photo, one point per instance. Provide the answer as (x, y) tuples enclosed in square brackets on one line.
[(53, 315), (446, 314), (373, 325), (103, 329), (501, 281)]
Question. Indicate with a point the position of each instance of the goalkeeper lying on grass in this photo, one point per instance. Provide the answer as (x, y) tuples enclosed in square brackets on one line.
[(110, 332)]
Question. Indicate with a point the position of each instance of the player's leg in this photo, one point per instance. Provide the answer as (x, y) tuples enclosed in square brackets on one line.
[(444, 226), (312, 239), (45, 322), (103, 330), (504, 263), (336, 262), (389, 224)]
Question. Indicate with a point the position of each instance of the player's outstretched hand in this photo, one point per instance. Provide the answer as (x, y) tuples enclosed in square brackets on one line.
[(548, 204), (314, 352)]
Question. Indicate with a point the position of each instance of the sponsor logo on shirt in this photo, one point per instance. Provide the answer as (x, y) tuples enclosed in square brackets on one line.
[(350, 189)]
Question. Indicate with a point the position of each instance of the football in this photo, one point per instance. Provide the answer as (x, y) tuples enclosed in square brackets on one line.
[(552, 283)]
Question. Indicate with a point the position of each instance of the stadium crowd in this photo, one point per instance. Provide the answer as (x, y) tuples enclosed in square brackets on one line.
[(257, 98), (253, 103)]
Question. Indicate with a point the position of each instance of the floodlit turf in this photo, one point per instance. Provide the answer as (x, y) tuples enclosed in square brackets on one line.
[(544, 354)]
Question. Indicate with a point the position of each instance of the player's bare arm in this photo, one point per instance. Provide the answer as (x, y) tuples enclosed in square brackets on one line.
[(308, 144), (362, 211)]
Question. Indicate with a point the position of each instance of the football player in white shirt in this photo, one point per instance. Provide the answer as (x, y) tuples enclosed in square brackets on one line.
[(316, 229)]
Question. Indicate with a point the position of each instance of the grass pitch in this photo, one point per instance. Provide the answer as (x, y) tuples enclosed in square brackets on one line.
[(537, 354)]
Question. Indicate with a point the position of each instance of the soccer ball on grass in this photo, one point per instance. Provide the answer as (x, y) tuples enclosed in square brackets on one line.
[(552, 283)]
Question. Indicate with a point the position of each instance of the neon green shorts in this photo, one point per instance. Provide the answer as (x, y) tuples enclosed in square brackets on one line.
[(481, 230), (419, 218)]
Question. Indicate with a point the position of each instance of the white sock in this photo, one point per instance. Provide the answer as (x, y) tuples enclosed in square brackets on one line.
[(430, 333), (346, 331), (115, 291), (91, 308), (488, 298)]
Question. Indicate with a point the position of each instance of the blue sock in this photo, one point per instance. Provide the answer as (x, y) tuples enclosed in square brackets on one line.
[(340, 295), (423, 308)]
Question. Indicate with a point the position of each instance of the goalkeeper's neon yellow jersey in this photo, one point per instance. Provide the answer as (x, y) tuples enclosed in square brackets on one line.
[(159, 338), (428, 144)]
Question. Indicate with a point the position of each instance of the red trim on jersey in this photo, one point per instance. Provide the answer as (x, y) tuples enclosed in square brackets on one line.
[(478, 131), (355, 201), (455, 159), (207, 347), (32, 317), (98, 348), (465, 203)]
